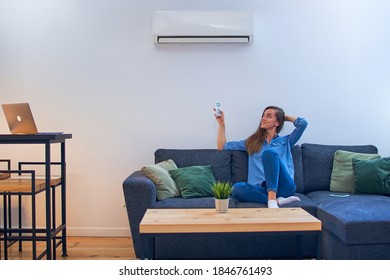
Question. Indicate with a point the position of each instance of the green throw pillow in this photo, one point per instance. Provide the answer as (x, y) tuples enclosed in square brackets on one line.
[(193, 181), (159, 174), (372, 176), (342, 173)]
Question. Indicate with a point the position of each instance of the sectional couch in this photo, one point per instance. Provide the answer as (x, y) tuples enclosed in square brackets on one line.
[(354, 227)]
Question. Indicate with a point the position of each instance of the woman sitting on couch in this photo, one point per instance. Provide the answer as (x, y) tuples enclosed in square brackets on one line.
[(270, 163)]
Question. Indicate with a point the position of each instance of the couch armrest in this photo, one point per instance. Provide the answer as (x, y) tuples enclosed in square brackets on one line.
[(140, 194)]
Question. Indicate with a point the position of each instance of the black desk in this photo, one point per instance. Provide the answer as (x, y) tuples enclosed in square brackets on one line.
[(51, 230)]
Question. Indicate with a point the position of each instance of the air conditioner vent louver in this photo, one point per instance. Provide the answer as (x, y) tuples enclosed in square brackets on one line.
[(203, 39), (203, 27)]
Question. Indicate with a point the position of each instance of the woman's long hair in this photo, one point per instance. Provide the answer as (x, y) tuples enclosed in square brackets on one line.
[(255, 141)]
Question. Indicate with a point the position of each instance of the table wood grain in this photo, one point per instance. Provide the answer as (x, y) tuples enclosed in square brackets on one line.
[(236, 220)]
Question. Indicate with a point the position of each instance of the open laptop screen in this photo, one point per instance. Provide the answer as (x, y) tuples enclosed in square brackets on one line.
[(19, 118)]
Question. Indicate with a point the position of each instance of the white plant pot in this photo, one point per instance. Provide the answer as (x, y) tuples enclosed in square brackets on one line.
[(222, 205)]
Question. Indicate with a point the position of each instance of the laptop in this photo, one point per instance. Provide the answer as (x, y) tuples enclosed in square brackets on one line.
[(20, 119)]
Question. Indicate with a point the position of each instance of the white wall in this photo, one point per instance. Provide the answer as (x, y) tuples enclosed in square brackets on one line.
[(89, 67)]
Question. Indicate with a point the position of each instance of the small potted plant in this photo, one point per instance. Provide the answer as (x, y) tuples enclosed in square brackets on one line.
[(221, 191)]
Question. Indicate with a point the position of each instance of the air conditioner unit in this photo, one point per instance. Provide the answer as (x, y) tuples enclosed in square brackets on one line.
[(203, 27)]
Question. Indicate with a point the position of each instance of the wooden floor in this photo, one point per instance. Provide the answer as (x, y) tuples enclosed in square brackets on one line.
[(82, 248)]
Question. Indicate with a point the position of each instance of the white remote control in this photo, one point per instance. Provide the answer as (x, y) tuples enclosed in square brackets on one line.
[(218, 112)]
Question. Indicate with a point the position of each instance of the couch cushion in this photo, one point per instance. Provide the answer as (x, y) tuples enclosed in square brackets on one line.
[(298, 169), (305, 203), (322, 196), (317, 163), (357, 219), (239, 166), (219, 160), (179, 202), (372, 176), (342, 173)]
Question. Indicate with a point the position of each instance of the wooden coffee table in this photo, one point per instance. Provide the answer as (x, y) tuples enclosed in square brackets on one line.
[(238, 220)]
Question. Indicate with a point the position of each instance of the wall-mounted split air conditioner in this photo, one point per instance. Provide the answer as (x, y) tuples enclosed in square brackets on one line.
[(203, 27)]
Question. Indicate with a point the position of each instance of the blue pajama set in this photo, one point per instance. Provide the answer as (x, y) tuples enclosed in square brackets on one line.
[(271, 168)]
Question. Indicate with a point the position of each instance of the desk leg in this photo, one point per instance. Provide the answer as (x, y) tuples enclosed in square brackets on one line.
[(20, 220), (5, 207), (33, 222), (63, 199), (148, 245), (54, 222), (48, 201), (319, 243), (299, 246)]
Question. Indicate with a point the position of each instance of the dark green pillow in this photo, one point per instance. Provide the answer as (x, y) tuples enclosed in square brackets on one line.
[(372, 176), (193, 181)]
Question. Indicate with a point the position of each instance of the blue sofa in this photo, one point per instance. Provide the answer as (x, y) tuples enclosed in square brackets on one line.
[(354, 227)]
